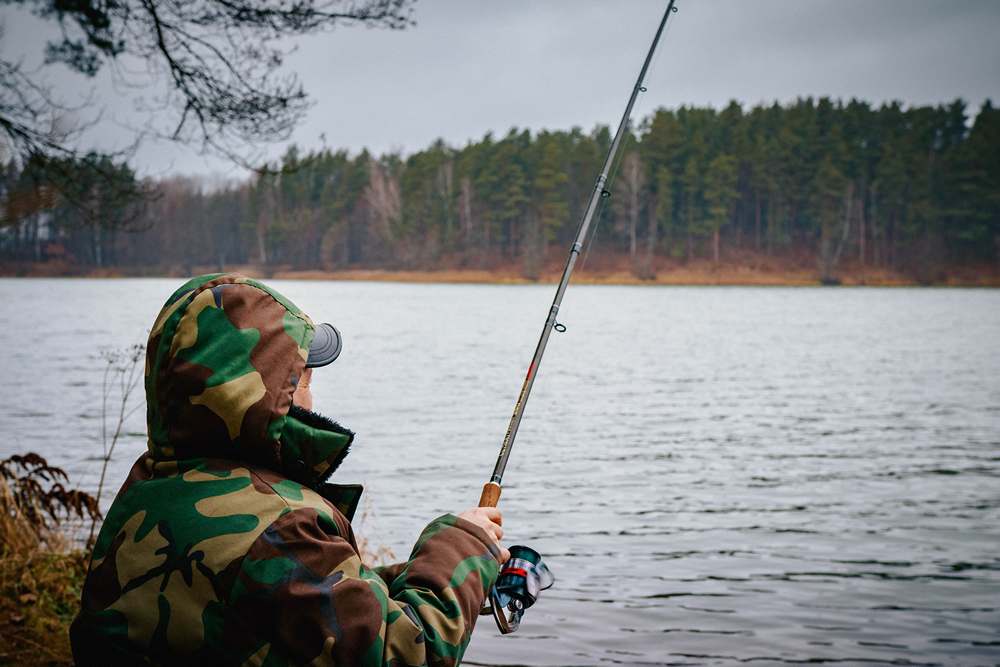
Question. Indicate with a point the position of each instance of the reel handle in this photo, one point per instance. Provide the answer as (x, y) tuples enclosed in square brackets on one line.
[(490, 496)]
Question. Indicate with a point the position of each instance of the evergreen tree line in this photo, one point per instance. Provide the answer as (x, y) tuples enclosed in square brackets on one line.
[(912, 189)]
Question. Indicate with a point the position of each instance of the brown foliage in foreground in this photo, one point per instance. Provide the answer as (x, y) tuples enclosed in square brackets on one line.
[(41, 573)]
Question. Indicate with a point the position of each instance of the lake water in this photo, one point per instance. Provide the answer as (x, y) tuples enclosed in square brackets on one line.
[(715, 475)]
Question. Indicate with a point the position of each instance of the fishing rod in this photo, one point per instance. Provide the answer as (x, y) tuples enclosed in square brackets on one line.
[(491, 490)]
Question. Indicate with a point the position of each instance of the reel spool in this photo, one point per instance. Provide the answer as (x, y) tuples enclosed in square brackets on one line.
[(521, 581)]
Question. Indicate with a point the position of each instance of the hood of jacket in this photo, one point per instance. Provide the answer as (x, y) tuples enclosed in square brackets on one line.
[(224, 357)]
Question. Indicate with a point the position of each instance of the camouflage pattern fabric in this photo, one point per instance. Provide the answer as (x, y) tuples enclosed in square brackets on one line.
[(225, 545)]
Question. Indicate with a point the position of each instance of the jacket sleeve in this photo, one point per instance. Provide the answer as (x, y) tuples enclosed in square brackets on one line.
[(304, 586)]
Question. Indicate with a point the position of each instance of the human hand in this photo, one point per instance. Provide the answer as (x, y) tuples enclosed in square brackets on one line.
[(491, 520)]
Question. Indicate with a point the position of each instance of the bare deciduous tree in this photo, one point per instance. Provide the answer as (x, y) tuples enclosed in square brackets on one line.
[(631, 181), (221, 62), (384, 199)]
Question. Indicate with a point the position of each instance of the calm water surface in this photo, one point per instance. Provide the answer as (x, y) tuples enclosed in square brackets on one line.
[(716, 475)]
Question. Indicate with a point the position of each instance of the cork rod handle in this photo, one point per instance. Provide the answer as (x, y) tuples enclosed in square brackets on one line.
[(491, 495)]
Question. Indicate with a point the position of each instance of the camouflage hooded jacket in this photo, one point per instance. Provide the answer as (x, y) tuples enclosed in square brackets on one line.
[(225, 545)]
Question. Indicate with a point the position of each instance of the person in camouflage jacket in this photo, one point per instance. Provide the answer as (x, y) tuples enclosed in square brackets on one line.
[(226, 545)]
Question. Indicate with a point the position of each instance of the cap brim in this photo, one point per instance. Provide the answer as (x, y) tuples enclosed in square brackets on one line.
[(325, 347)]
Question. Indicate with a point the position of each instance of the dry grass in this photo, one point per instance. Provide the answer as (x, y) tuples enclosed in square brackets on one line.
[(39, 596), (371, 553), (41, 571), (737, 268), (601, 267)]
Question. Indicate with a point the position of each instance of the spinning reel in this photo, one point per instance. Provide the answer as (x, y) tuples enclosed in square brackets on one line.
[(521, 580)]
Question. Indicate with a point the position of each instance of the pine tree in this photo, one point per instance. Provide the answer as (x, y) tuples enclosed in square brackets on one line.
[(720, 194)]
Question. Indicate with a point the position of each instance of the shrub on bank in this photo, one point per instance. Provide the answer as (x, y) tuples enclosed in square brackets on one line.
[(41, 567)]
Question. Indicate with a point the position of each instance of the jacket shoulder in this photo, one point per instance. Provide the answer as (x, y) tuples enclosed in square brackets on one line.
[(173, 543), (295, 496)]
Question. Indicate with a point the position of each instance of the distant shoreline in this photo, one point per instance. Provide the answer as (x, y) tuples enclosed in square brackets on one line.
[(615, 271)]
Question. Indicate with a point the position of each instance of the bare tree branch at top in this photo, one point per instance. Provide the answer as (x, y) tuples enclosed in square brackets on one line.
[(222, 61)]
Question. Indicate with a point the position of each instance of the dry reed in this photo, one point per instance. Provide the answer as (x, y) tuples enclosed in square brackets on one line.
[(41, 573)]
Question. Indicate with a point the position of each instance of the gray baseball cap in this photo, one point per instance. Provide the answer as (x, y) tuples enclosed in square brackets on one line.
[(325, 347)]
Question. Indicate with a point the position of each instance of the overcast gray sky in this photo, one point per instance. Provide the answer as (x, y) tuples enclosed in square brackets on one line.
[(472, 66)]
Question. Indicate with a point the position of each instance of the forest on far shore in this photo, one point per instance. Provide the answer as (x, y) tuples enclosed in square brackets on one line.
[(914, 190)]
